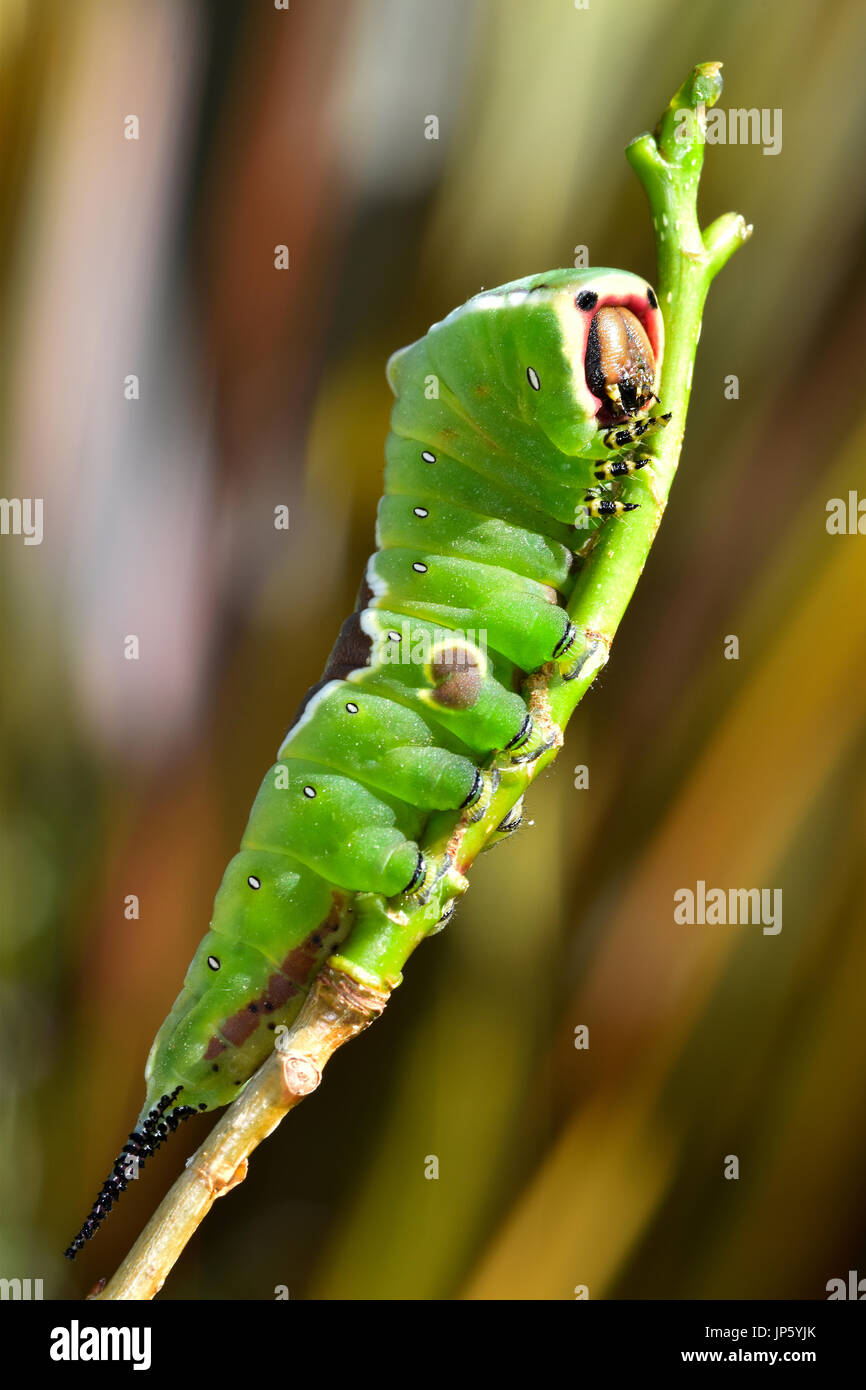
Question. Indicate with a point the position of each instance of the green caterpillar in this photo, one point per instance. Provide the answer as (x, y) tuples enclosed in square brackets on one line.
[(512, 417)]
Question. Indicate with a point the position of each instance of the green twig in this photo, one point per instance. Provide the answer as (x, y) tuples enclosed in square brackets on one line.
[(354, 987)]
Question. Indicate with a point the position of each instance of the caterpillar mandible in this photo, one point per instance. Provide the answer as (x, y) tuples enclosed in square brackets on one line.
[(512, 419)]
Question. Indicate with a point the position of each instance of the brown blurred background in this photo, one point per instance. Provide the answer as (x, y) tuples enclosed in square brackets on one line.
[(261, 387)]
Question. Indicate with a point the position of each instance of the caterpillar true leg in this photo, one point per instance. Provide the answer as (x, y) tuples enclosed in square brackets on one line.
[(607, 506), (619, 468), (621, 435)]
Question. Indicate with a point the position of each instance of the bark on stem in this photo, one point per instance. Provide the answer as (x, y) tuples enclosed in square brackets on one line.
[(337, 1009)]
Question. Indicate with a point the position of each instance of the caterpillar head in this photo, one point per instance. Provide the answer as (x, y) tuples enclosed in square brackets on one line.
[(617, 336), (569, 353), (620, 362)]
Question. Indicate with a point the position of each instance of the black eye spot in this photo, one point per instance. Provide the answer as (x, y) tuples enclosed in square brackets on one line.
[(253, 1008), (352, 708), (651, 299), (310, 792), (214, 1067), (427, 456), (254, 882), (213, 962), (202, 1105), (587, 299), (419, 568), (532, 378)]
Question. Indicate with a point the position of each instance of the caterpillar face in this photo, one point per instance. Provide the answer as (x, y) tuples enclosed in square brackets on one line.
[(622, 343), (620, 363), (542, 367)]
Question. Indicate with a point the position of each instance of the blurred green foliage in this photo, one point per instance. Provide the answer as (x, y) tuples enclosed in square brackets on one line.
[(558, 1167)]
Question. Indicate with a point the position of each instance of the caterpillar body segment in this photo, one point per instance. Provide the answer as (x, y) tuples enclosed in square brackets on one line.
[(521, 617), (390, 746), (246, 978), (447, 529)]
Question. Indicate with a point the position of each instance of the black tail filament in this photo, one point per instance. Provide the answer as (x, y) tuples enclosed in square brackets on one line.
[(143, 1143)]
